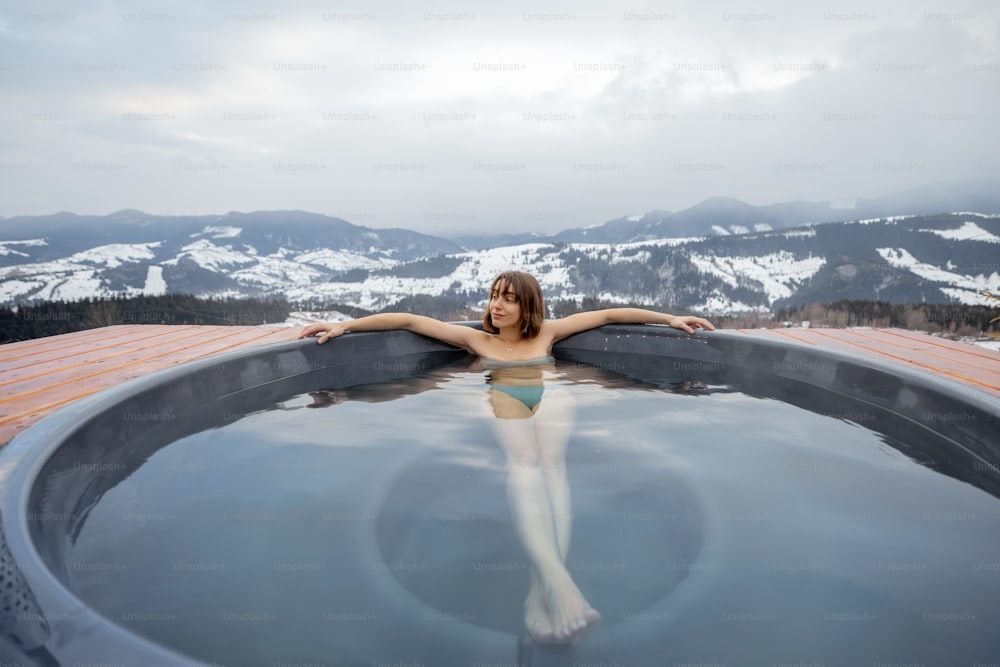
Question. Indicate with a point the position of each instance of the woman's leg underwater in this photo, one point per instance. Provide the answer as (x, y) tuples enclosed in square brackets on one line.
[(538, 492), (554, 419)]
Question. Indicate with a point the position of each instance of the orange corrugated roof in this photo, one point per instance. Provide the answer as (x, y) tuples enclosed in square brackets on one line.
[(42, 375), (970, 364)]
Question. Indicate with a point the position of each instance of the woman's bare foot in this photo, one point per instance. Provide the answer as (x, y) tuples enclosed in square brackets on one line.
[(569, 613), (536, 618), (556, 612)]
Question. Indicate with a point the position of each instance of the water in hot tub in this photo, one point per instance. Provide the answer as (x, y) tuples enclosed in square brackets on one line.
[(375, 526)]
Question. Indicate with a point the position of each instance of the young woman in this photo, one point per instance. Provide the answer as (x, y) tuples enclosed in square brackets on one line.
[(516, 329), (533, 425)]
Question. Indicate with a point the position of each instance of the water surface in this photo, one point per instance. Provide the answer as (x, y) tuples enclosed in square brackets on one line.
[(372, 525)]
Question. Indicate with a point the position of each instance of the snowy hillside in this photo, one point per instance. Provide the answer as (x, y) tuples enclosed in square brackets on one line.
[(936, 259)]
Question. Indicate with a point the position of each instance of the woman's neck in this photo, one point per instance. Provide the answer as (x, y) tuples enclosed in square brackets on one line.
[(510, 335)]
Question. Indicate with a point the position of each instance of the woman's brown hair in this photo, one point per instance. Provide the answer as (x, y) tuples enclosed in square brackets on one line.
[(528, 293)]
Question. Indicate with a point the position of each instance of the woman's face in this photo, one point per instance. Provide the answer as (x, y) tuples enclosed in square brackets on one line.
[(505, 310)]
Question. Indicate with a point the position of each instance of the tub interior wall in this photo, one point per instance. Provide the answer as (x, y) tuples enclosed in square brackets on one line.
[(959, 426)]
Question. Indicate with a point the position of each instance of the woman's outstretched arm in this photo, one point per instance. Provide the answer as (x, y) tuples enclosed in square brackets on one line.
[(567, 326), (453, 334)]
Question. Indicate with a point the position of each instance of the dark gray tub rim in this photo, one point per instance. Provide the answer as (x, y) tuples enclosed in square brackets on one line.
[(24, 456)]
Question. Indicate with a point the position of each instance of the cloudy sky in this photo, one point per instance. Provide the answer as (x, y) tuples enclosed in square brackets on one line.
[(488, 117)]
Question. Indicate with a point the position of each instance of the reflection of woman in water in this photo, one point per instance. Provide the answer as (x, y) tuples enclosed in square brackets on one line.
[(533, 425)]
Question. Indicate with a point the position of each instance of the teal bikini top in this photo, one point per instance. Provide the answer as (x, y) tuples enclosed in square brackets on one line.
[(498, 364)]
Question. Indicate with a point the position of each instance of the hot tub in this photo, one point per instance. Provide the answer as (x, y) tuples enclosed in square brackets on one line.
[(724, 569)]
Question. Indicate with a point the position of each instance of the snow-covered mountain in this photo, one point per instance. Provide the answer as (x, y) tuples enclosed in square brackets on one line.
[(68, 257), (314, 259), (720, 216)]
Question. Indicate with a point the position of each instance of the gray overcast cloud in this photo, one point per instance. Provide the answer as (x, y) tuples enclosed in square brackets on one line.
[(488, 118)]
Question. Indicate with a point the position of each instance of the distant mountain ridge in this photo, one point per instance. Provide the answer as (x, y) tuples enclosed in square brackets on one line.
[(744, 262), (725, 215), (67, 233)]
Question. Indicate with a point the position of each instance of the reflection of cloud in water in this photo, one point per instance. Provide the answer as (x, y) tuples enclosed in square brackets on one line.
[(300, 426)]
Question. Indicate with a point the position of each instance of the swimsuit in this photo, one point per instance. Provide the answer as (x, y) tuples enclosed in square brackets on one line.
[(530, 394), (499, 364)]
